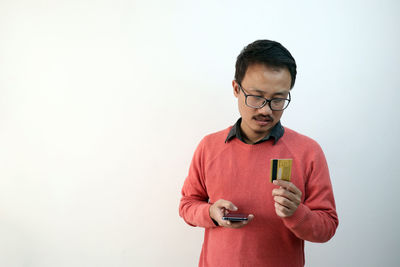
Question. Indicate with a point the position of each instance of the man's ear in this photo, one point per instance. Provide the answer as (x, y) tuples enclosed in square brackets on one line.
[(236, 89)]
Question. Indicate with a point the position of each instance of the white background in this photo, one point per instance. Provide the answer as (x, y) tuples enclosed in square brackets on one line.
[(102, 104)]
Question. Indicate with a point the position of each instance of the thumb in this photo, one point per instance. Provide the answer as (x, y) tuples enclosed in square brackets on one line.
[(227, 205)]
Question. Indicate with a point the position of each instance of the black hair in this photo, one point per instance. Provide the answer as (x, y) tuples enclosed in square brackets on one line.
[(267, 52)]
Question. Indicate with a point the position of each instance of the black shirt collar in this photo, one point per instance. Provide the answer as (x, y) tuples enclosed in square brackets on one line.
[(276, 132)]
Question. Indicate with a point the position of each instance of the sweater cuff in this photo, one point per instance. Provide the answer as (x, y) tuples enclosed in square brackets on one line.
[(206, 220), (298, 217)]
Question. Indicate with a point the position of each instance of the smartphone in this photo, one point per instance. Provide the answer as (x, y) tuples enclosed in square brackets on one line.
[(235, 217)]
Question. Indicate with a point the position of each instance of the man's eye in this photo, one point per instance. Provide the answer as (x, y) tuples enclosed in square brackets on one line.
[(258, 98)]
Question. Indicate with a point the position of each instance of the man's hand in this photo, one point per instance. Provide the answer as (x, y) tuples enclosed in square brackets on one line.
[(222, 207), (287, 198)]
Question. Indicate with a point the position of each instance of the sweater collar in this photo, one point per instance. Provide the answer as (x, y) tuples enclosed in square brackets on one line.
[(276, 132)]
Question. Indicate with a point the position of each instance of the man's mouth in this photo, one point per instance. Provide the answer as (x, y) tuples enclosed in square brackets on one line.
[(263, 120)]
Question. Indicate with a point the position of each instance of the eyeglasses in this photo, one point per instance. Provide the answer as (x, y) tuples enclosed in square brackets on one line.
[(276, 104)]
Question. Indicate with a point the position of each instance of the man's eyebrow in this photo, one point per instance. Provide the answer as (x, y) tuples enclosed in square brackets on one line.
[(281, 93), (257, 91)]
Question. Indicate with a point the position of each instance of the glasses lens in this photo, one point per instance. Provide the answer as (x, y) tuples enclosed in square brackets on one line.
[(279, 103), (255, 101)]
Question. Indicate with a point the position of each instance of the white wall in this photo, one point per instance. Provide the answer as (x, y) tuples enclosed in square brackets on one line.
[(102, 104)]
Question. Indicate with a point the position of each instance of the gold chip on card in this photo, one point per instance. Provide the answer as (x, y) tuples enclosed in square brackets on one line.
[(281, 169)]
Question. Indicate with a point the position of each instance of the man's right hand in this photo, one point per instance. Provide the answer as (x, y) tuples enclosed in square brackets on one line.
[(222, 207)]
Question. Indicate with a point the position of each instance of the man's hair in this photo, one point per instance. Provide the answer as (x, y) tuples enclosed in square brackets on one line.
[(267, 52)]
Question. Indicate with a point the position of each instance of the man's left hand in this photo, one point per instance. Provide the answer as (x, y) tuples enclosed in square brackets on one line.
[(287, 198)]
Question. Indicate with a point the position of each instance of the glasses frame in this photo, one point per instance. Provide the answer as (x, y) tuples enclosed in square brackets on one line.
[(266, 101)]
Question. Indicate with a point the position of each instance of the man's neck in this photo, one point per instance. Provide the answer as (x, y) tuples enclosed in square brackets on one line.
[(253, 139)]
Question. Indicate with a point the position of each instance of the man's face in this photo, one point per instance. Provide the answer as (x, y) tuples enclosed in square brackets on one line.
[(268, 82)]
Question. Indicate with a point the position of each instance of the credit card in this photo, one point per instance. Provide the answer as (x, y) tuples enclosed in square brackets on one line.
[(281, 169)]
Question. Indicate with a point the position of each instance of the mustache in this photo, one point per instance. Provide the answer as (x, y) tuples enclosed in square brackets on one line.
[(262, 118)]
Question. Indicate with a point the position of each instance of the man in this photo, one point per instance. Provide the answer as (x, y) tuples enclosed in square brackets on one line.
[(230, 171)]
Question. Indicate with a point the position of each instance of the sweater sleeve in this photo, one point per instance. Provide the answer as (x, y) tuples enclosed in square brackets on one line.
[(315, 219), (194, 207)]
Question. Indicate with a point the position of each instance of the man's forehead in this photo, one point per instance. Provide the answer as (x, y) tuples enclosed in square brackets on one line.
[(270, 67), (266, 92), (264, 79), (262, 70)]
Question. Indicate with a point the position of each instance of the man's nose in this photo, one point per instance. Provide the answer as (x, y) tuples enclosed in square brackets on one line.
[(265, 110)]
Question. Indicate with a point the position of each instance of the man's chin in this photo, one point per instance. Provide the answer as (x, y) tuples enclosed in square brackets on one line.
[(263, 126), (262, 130)]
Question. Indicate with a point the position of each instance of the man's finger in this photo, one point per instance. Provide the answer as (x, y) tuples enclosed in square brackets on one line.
[(240, 224), (249, 218), (288, 186), (285, 202), (286, 194), (222, 203), (282, 211)]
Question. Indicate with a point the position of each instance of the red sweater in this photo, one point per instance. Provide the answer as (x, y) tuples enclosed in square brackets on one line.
[(240, 172)]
